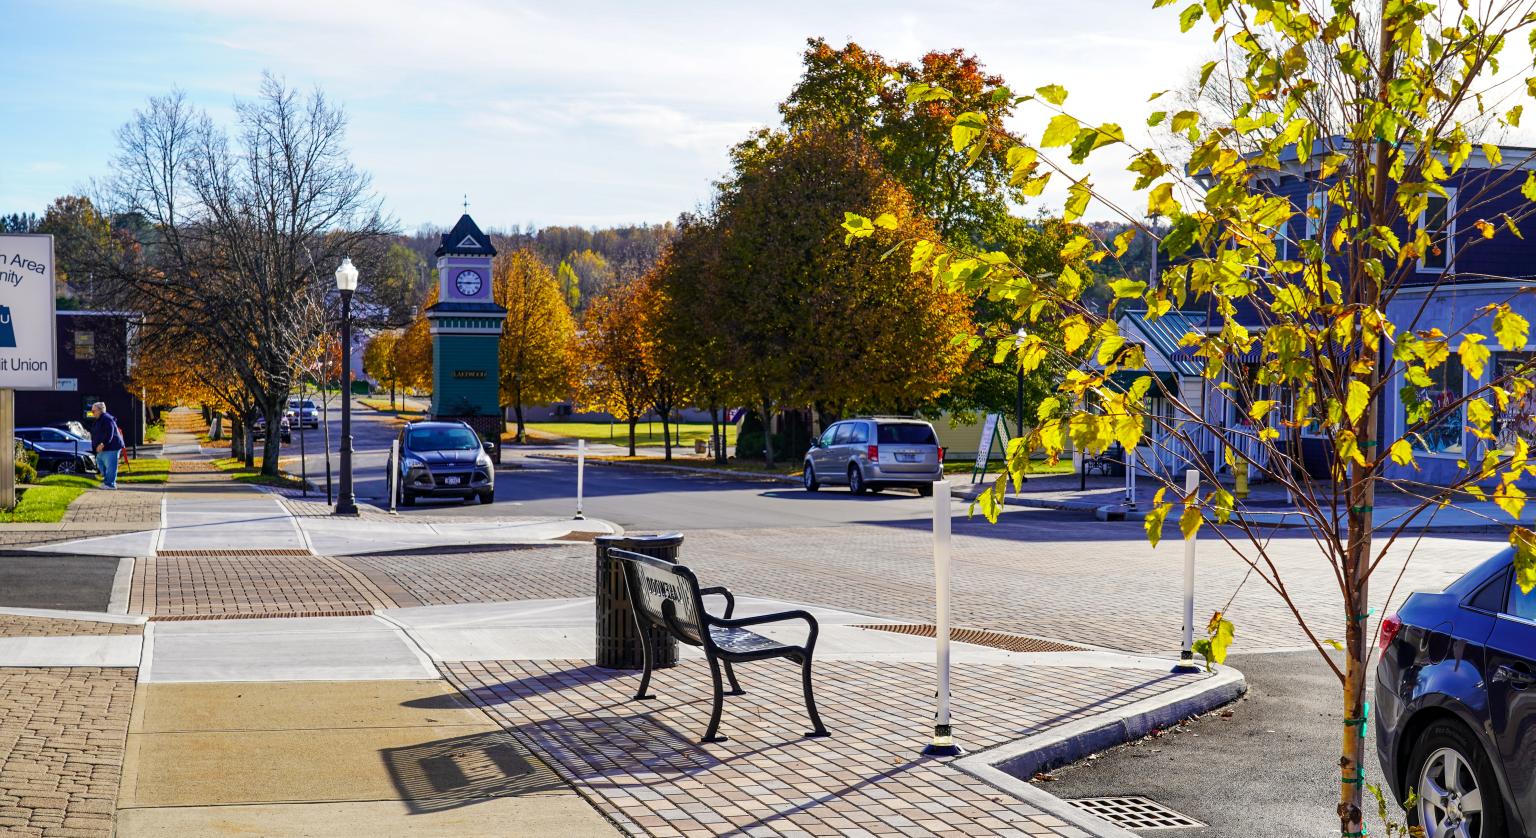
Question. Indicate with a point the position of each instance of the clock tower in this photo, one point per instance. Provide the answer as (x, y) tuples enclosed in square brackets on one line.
[(466, 333)]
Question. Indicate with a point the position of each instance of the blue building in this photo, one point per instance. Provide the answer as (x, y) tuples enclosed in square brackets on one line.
[(1449, 288)]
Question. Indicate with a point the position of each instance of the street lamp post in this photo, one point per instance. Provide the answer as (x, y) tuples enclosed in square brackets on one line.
[(346, 283)]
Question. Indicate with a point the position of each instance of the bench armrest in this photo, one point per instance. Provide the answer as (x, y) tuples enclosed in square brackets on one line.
[(730, 601), (761, 619)]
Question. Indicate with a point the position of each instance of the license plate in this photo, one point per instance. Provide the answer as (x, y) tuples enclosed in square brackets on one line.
[(906, 458), (450, 481)]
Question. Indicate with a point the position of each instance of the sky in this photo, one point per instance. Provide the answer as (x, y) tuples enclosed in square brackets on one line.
[(541, 113)]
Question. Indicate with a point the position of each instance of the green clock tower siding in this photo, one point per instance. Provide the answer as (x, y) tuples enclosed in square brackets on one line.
[(466, 333)]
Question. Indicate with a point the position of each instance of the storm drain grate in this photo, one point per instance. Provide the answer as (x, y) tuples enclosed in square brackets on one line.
[(977, 637), (1136, 813)]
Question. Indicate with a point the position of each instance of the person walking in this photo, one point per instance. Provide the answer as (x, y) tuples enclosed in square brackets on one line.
[(107, 439)]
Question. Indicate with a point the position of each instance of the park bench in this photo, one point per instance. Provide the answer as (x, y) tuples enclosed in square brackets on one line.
[(668, 595)]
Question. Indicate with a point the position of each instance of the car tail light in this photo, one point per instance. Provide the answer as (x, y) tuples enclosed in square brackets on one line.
[(1389, 629), (941, 454), (874, 453)]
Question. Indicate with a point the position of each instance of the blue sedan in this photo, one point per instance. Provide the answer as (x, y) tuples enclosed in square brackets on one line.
[(1456, 705)]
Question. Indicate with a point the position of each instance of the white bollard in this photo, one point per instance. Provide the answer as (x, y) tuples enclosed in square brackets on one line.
[(1187, 651), (393, 483), (943, 743), (581, 472)]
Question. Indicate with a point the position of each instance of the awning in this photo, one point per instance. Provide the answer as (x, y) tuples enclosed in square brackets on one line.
[(1123, 379)]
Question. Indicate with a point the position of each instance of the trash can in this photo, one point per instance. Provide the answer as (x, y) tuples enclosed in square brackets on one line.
[(618, 646), (701, 446)]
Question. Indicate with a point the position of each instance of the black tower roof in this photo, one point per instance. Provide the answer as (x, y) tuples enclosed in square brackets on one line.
[(465, 239)]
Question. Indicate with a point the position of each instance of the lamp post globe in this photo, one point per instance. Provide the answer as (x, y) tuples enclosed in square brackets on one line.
[(346, 283)]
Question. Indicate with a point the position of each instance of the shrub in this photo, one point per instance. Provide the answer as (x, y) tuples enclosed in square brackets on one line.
[(26, 465)]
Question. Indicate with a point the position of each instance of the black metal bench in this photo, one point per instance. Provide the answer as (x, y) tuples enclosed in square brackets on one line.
[(668, 595)]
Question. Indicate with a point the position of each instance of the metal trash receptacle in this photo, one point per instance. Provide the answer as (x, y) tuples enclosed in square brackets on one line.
[(618, 644)]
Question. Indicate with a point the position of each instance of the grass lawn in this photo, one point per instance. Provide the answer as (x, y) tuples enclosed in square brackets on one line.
[(646, 433), (749, 466), (382, 406), (45, 502), (237, 471)]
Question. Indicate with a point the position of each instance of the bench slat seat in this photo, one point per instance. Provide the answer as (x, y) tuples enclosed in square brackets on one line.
[(668, 595)]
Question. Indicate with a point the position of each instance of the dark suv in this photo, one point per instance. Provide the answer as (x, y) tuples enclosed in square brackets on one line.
[(869, 454), (1456, 705), (444, 460)]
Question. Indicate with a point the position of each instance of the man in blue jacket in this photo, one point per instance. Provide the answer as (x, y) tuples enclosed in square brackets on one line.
[(108, 442)]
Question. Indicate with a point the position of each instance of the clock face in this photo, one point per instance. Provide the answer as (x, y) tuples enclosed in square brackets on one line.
[(468, 283)]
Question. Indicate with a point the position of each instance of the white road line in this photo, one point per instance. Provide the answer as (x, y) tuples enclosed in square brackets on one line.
[(146, 652), (122, 586), (293, 521), (159, 540)]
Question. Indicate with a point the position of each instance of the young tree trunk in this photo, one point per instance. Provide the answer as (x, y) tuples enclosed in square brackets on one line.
[(767, 434), (717, 433), (236, 436), (392, 394), (522, 432), (271, 449), (633, 421), (666, 433)]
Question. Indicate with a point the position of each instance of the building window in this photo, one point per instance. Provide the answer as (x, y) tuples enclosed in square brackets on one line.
[(1439, 223), (1317, 214), (1434, 431), (1519, 420), (85, 346)]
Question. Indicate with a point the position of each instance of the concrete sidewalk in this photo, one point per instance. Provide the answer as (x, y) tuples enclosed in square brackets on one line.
[(206, 512)]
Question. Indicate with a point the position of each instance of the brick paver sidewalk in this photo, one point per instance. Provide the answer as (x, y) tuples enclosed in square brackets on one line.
[(640, 764)]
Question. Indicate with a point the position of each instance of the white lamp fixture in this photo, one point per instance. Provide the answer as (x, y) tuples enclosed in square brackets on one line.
[(346, 275)]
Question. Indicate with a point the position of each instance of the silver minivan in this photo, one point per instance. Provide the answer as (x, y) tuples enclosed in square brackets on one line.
[(872, 453)]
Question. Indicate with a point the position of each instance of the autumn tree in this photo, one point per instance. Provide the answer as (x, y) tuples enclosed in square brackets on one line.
[(413, 355), (82, 237), (538, 337), (381, 361), (1323, 301), (813, 323), (692, 342), (615, 368)]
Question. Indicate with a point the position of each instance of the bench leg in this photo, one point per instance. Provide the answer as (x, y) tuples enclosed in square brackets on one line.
[(730, 675), (810, 701), (714, 716), (645, 655)]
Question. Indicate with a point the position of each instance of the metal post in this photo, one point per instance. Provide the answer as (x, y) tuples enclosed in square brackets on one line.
[(346, 504), (943, 743), (1130, 477), (1186, 662), (581, 473), (303, 458), (392, 483), (7, 448)]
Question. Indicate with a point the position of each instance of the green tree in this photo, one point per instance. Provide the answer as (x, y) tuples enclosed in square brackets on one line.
[(570, 285), (82, 239), (1303, 333), (397, 284), (539, 335), (618, 372)]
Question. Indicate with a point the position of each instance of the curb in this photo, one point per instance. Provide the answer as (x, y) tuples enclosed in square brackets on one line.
[(1009, 767), (746, 476)]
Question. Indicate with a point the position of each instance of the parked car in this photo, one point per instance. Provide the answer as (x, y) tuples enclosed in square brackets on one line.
[(304, 413), (73, 428), (1456, 705), (870, 454), (60, 461), (59, 452), (284, 429), (444, 460)]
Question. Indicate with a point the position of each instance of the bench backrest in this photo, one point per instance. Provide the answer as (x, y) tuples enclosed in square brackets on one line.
[(664, 593)]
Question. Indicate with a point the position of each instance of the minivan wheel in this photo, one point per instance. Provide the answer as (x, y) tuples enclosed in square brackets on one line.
[(808, 478), (925, 490), (488, 497), (855, 480), (407, 498), (1458, 794)]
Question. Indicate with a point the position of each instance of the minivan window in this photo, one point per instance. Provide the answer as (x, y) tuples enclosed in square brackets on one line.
[(844, 430), (860, 433), (907, 434), (1521, 604), (826, 438)]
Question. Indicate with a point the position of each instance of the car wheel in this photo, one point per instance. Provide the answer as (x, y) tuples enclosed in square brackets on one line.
[(808, 477), (487, 497), (855, 480), (407, 498), (1458, 794), (925, 490), (66, 467), (875, 488)]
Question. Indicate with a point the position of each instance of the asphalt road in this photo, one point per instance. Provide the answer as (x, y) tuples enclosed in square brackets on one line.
[(1263, 772), (631, 497)]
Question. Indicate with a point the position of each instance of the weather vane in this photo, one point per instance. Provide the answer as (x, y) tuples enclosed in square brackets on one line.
[(466, 203)]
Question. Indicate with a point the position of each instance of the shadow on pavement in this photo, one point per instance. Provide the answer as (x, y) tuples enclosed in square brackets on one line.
[(464, 770)]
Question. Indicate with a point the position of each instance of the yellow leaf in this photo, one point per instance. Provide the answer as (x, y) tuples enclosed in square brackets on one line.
[(1260, 408), (887, 221), (1484, 227), (1510, 498), (1401, 452), (1510, 328), (1189, 522), (1359, 399)]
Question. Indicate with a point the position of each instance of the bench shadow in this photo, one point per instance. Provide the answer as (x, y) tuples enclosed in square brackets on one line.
[(464, 770), (507, 692)]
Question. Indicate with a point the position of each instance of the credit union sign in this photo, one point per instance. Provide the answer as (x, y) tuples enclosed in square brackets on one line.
[(27, 345)]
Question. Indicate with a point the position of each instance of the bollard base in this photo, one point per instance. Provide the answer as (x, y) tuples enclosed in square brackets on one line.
[(579, 517), (1186, 665), (943, 744)]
